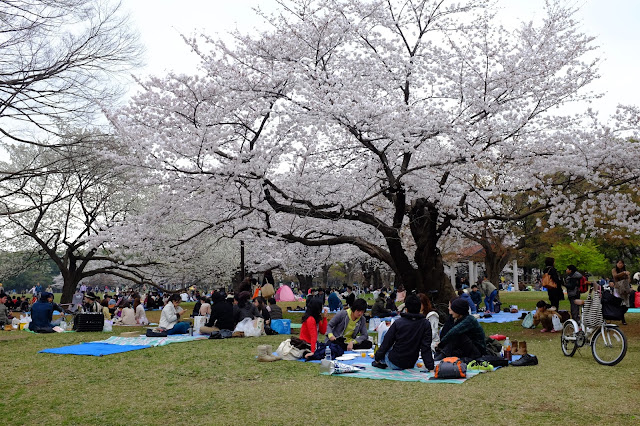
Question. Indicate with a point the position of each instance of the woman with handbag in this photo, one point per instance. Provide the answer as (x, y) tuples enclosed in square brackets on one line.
[(621, 285), (555, 293)]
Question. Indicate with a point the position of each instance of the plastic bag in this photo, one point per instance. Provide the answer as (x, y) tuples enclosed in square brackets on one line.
[(557, 324), (527, 322), (198, 321), (382, 330), (374, 323), (250, 327), (108, 325)]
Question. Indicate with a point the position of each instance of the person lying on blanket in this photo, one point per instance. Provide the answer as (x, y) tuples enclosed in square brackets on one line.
[(348, 328), (406, 338), (466, 338)]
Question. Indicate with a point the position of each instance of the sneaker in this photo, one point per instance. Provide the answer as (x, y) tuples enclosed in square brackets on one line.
[(377, 364), (544, 330), (479, 365), (525, 360)]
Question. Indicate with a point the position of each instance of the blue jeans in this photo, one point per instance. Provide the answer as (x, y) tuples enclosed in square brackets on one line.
[(488, 301), (389, 363), (179, 328)]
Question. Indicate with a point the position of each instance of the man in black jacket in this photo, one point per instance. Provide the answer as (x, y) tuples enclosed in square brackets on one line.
[(406, 338), (221, 315)]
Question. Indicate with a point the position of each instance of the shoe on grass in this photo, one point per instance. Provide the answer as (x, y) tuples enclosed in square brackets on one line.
[(525, 360), (480, 365)]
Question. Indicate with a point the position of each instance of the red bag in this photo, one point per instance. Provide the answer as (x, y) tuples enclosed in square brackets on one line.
[(584, 287), (637, 304)]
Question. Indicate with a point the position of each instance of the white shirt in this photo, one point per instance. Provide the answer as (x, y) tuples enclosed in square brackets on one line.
[(168, 317)]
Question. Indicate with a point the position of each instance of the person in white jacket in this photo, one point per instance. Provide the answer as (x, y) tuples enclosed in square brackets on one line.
[(140, 314), (433, 317), (170, 317)]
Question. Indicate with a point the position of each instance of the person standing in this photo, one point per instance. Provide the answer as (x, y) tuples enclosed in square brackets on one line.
[(490, 293), (555, 294), (621, 284), (572, 283)]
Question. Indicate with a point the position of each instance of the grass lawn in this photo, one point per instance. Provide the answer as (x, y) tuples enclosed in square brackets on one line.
[(219, 382)]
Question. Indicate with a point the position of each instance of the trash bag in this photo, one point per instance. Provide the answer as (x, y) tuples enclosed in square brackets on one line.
[(249, 327)]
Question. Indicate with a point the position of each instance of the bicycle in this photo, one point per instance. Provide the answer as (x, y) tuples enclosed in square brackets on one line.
[(608, 343)]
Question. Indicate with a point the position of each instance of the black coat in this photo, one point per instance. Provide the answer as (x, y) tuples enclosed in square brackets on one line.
[(554, 293), (407, 337), (221, 316)]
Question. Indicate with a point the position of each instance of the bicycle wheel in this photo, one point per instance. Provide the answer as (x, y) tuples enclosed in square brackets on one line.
[(610, 347), (568, 339)]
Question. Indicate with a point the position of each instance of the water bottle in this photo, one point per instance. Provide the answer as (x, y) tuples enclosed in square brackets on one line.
[(507, 349), (327, 353)]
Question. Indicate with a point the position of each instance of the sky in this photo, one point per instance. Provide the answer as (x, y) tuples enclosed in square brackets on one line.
[(613, 22)]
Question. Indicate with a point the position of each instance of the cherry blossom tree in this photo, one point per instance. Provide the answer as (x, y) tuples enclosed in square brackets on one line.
[(379, 124)]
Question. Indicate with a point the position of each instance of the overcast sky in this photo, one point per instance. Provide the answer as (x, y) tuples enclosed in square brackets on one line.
[(161, 22)]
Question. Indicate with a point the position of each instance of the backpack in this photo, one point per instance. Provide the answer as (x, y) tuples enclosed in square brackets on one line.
[(527, 322), (584, 284), (547, 282), (451, 368)]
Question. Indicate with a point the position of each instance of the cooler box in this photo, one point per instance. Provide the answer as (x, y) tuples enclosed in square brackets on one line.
[(88, 322), (282, 326)]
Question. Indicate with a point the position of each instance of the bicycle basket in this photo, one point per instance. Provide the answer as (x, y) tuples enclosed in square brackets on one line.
[(592, 310)]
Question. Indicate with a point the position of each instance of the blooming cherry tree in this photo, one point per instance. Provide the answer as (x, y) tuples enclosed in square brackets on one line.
[(378, 124)]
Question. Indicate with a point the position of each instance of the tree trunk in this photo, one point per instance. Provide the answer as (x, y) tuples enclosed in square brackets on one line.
[(69, 287), (496, 258), (429, 277), (305, 281), (325, 275)]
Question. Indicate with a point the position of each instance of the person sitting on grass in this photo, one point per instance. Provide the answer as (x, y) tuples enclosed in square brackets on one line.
[(244, 308), (5, 313), (379, 309), (127, 315), (348, 328), (170, 317), (42, 315), (544, 315), (221, 315), (476, 297), (466, 339), (91, 303), (275, 310), (407, 337), (314, 321), (335, 304), (261, 305), (140, 314)]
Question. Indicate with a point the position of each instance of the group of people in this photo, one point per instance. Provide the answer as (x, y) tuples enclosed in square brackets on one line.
[(414, 333), (619, 284)]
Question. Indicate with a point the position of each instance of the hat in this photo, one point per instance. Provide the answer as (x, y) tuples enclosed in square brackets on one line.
[(91, 295), (112, 302), (460, 306)]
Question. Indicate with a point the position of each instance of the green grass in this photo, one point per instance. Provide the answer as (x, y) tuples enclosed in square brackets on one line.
[(219, 382)]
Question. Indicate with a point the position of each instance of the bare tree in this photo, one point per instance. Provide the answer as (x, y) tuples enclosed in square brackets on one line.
[(58, 63)]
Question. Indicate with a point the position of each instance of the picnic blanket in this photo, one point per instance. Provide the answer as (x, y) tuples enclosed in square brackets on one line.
[(409, 375), (633, 311), (501, 317), (116, 344), (150, 341), (93, 349)]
